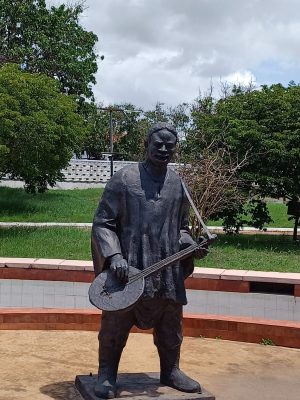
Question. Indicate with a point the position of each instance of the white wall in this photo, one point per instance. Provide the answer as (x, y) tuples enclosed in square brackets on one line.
[(91, 170), (256, 305), (49, 294), (82, 174)]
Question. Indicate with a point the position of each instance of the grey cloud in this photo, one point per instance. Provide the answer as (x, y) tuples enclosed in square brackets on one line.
[(176, 47)]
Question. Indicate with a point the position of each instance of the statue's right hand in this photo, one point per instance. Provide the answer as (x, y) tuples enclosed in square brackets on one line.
[(119, 267)]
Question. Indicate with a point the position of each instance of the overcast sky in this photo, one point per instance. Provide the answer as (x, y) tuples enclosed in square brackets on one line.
[(168, 50)]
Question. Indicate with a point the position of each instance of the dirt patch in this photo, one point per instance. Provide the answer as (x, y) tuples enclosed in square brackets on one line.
[(43, 365)]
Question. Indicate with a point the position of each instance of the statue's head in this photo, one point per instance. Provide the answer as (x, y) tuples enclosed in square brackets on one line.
[(160, 143)]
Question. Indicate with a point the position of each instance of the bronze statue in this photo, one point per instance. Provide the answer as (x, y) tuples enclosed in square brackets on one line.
[(141, 220)]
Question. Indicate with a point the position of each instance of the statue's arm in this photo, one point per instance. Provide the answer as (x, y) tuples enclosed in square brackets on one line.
[(185, 233), (185, 238), (105, 242)]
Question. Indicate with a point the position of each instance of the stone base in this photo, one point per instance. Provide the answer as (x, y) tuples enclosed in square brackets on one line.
[(140, 386)]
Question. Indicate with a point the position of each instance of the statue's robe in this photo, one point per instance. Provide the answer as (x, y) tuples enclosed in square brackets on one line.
[(146, 220)]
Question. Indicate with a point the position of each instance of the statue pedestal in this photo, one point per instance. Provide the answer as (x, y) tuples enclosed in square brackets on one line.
[(142, 386)]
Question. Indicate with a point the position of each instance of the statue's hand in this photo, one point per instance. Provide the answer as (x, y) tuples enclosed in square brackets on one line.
[(202, 252), (186, 241), (119, 267)]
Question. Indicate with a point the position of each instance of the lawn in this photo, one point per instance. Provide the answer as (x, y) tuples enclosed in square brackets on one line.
[(79, 206), (278, 213), (53, 206), (65, 243), (255, 252)]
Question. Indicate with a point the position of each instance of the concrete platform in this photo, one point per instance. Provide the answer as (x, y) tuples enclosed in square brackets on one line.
[(140, 386), (42, 365)]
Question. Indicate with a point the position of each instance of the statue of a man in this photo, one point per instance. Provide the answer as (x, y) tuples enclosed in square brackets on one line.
[(142, 218)]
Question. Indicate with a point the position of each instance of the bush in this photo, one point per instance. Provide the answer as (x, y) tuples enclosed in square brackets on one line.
[(40, 128)]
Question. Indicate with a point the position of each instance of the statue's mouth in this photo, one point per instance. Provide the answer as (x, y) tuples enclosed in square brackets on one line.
[(162, 157)]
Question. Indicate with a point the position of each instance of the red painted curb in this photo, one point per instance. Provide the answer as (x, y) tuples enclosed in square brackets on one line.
[(253, 330)]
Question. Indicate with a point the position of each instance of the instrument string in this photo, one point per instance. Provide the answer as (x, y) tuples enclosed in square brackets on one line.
[(155, 267), (169, 260), (161, 264), (177, 256)]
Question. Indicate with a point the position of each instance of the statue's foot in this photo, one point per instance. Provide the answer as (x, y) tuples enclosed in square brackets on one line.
[(105, 389), (180, 381)]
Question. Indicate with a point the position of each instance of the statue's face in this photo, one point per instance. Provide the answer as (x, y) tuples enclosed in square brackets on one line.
[(161, 147)]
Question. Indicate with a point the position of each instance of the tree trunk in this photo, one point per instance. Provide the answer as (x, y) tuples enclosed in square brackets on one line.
[(296, 228)]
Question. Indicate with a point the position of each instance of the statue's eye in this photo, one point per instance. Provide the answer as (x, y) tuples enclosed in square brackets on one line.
[(170, 146)]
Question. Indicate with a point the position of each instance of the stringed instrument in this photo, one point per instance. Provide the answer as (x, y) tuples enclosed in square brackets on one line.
[(108, 293)]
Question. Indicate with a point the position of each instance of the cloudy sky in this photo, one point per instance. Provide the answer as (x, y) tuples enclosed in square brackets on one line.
[(169, 50)]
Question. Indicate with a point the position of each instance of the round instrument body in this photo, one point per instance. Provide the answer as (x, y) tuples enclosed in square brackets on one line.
[(108, 293)]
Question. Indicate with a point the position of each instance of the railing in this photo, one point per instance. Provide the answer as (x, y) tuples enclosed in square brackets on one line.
[(91, 171), (94, 170)]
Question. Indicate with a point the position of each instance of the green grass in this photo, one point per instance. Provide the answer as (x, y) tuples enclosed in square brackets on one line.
[(254, 252), (79, 206), (278, 213), (268, 253), (53, 206), (65, 243)]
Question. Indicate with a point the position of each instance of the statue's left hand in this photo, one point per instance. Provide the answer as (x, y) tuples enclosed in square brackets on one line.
[(186, 241), (203, 251)]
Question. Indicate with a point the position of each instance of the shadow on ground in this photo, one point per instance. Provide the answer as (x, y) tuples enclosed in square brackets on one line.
[(16, 202), (61, 391)]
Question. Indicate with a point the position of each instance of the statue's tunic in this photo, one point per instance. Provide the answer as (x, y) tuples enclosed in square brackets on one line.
[(144, 219)]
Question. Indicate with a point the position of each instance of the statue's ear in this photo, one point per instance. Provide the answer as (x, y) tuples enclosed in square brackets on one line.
[(146, 144)]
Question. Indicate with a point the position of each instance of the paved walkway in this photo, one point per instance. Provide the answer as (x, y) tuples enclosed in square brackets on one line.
[(45, 224), (215, 229), (42, 365)]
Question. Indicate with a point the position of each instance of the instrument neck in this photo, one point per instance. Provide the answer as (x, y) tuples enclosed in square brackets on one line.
[(169, 260)]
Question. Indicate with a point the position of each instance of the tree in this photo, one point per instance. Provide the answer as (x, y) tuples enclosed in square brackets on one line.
[(40, 128), (97, 140), (215, 185), (129, 132), (3, 154), (130, 127), (267, 123), (262, 125), (50, 41)]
